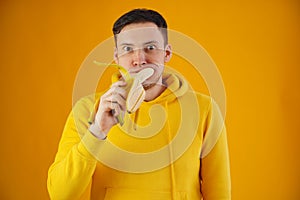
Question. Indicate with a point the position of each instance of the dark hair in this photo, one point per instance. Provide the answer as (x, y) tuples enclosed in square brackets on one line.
[(141, 16)]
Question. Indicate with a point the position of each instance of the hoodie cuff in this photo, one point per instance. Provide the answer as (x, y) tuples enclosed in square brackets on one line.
[(90, 146)]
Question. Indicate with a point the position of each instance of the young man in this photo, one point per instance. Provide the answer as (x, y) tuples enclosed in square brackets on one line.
[(173, 147)]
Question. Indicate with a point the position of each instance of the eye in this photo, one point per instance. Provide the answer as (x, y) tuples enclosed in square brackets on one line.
[(127, 48), (151, 47)]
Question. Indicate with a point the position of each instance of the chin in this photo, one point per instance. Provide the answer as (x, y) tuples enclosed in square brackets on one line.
[(148, 86), (151, 83)]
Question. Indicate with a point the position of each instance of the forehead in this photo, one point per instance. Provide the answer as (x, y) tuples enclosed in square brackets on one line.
[(139, 33)]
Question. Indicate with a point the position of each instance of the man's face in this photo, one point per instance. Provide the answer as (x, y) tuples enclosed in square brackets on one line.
[(139, 46)]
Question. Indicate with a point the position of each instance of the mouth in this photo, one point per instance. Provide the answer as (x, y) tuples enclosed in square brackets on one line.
[(149, 81), (139, 68)]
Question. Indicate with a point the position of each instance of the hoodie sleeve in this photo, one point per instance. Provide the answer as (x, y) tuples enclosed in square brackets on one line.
[(69, 177), (215, 170)]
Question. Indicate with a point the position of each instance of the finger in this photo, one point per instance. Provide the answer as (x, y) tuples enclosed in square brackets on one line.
[(116, 98), (112, 91), (115, 109), (108, 106), (114, 85), (120, 91), (105, 106), (115, 95), (118, 84), (105, 95)]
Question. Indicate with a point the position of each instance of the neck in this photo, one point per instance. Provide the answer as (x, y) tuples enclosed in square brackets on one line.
[(154, 91)]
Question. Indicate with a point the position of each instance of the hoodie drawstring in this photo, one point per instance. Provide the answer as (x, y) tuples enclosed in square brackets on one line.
[(171, 157)]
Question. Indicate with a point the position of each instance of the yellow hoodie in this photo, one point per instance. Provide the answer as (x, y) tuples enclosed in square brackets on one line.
[(173, 147)]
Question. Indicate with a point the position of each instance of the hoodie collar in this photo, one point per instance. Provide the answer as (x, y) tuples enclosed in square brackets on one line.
[(176, 87)]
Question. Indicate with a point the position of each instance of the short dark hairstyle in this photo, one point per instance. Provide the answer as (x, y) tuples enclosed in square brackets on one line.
[(141, 15)]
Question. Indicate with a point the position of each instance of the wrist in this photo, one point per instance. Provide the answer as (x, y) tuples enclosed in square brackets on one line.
[(96, 131)]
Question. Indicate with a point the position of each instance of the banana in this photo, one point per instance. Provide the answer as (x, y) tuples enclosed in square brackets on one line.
[(136, 94), (134, 88)]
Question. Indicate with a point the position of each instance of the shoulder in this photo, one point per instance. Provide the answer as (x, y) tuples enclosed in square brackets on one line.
[(86, 103), (204, 102), (88, 100)]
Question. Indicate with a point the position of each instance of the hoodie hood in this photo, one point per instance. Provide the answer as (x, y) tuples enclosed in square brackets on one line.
[(176, 87)]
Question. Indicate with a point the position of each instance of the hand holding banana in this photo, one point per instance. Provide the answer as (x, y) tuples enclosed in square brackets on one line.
[(122, 95)]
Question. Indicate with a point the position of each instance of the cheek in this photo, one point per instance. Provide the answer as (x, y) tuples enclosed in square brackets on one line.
[(158, 72), (158, 58), (123, 61)]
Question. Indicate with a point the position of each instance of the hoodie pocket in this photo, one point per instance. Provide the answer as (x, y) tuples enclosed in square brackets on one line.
[(128, 194)]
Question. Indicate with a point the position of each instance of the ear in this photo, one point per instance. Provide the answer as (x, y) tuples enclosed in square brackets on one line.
[(168, 53), (116, 59)]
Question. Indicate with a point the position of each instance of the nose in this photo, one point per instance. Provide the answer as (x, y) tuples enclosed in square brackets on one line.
[(139, 58)]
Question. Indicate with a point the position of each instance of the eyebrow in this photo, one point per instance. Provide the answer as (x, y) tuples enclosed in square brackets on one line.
[(151, 42), (130, 44), (126, 44)]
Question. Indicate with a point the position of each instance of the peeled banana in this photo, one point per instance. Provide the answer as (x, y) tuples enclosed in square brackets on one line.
[(136, 94), (134, 87)]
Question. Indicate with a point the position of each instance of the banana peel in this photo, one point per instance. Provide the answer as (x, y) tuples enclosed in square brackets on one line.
[(135, 90), (136, 94)]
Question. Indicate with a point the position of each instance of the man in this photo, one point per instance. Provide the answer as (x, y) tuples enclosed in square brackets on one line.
[(173, 147)]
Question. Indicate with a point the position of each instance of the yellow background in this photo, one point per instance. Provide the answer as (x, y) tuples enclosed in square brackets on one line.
[(255, 45)]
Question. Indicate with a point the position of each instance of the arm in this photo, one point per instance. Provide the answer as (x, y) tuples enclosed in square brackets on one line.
[(71, 173), (215, 171)]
